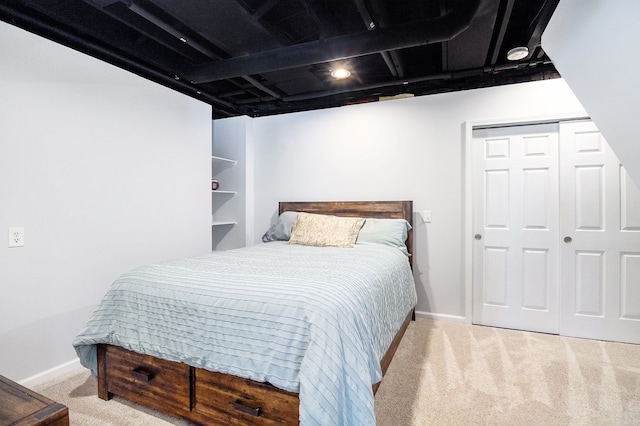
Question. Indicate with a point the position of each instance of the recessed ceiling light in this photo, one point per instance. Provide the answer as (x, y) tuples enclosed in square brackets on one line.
[(340, 73), (518, 53)]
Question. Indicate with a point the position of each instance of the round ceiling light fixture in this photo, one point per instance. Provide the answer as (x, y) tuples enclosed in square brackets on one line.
[(518, 53), (340, 73)]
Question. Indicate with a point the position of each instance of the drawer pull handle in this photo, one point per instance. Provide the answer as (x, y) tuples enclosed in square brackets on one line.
[(239, 406), (142, 374)]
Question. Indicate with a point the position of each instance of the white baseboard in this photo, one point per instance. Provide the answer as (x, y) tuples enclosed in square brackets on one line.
[(52, 373), (442, 317)]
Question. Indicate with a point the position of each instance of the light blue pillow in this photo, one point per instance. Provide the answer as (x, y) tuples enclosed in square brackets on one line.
[(390, 232), (281, 230)]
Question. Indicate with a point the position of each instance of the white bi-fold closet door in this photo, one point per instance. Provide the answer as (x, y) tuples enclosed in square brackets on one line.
[(556, 224)]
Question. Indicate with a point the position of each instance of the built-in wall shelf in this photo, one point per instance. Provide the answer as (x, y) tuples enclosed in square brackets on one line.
[(223, 160), (222, 173), (229, 155)]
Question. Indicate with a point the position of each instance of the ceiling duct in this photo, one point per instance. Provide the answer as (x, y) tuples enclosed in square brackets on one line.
[(436, 30)]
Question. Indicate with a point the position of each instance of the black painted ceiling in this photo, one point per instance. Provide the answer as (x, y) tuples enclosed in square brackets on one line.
[(275, 56)]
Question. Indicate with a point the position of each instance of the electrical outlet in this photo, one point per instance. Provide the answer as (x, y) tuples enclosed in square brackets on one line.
[(16, 237)]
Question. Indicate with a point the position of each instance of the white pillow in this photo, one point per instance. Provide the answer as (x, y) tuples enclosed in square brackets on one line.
[(390, 232)]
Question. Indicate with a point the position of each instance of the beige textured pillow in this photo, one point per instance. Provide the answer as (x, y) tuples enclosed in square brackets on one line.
[(325, 231)]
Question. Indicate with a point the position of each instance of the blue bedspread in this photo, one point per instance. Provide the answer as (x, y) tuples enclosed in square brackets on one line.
[(306, 319)]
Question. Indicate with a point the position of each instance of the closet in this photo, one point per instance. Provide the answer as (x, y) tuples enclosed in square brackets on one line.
[(556, 229)]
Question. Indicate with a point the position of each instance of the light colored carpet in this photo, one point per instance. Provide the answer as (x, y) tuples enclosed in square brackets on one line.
[(448, 373), (458, 374)]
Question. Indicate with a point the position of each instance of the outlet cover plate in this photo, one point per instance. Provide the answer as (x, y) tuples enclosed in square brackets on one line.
[(16, 237)]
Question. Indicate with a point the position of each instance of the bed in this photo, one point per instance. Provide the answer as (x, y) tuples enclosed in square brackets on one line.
[(302, 334)]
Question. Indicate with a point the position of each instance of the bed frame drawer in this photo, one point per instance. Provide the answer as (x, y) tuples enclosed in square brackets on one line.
[(241, 401), (163, 385)]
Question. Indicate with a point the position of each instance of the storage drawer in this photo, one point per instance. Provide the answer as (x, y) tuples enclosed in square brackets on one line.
[(242, 401), (160, 384)]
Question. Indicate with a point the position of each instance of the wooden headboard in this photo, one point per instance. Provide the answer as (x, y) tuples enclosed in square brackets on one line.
[(376, 209)]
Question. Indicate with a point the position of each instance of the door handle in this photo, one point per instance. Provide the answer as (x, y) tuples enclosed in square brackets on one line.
[(568, 239), (477, 237)]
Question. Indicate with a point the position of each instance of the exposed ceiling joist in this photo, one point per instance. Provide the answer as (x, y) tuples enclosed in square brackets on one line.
[(259, 57), (347, 46)]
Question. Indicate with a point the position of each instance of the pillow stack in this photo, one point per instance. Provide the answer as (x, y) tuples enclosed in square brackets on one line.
[(337, 231)]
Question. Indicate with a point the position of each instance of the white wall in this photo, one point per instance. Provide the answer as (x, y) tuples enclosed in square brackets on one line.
[(403, 149), (105, 171), (594, 45)]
